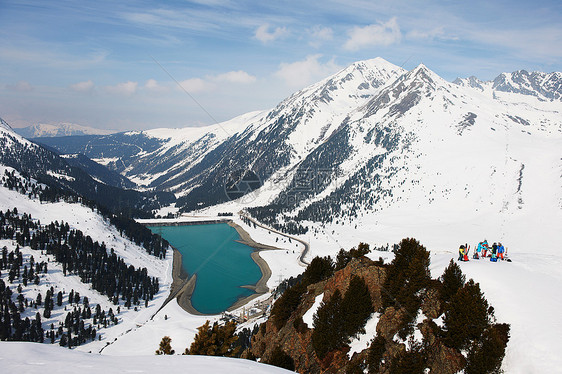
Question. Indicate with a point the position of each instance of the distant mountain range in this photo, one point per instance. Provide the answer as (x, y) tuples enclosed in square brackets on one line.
[(44, 130), (76, 175), (370, 137)]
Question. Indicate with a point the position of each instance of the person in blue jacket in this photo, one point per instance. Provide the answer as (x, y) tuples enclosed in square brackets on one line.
[(485, 248), (479, 249), (501, 251)]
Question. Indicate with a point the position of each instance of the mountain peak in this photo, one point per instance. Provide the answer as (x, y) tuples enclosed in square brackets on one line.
[(376, 63), (541, 85), (5, 125), (471, 81), (421, 75)]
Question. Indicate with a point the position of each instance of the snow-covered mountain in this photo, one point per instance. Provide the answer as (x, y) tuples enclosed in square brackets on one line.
[(195, 162), (363, 144), (42, 130), (83, 178), (369, 137), (544, 86)]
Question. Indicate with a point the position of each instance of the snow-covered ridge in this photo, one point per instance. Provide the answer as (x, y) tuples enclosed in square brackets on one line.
[(544, 86), (41, 130), (5, 125)]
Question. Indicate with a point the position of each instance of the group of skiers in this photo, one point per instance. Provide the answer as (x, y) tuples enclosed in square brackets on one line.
[(495, 252)]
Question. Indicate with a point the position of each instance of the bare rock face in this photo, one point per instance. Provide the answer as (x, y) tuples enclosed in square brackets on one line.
[(442, 359), (445, 360), (389, 322), (431, 305), (374, 276), (295, 337)]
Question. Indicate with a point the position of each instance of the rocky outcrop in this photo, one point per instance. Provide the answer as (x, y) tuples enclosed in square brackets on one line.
[(292, 338), (441, 359), (431, 304), (295, 339), (372, 273), (389, 322)]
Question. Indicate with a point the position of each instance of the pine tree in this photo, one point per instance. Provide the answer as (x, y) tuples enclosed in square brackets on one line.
[(466, 316), (287, 304), (215, 341), (165, 347), (453, 279), (486, 355), (376, 351), (320, 268), (412, 361), (329, 332), (408, 273), (357, 306), (281, 359)]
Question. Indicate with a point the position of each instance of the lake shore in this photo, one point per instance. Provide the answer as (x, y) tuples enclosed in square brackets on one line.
[(183, 286)]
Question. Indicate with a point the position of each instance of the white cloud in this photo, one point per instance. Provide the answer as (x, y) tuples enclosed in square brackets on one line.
[(86, 86), (209, 82), (372, 35), (239, 76), (153, 86), (319, 34), (125, 88), (265, 36), (307, 71), (195, 85), (435, 33), (21, 86)]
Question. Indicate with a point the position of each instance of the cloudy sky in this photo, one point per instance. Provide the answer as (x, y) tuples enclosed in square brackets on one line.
[(128, 64)]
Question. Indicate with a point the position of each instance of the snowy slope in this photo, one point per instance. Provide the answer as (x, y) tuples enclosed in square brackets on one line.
[(94, 225), (519, 293), (37, 358), (180, 151)]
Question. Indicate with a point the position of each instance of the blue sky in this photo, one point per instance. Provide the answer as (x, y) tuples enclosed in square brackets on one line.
[(117, 65)]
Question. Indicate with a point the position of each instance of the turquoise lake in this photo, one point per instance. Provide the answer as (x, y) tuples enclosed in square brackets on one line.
[(222, 265)]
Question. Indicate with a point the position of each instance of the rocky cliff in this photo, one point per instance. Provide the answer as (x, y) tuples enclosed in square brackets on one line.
[(295, 336)]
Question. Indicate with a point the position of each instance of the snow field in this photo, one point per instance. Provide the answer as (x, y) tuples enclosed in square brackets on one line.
[(33, 358)]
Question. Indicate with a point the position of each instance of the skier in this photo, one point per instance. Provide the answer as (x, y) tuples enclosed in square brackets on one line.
[(494, 252), (461, 252), (485, 248), (501, 250), (478, 252)]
